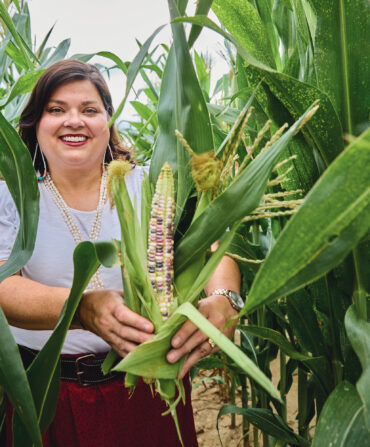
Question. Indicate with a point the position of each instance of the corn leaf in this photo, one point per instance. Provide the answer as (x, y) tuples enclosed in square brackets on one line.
[(240, 15), (203, 7), (43, 372), (324, 131), (266, 421), (14, 380), (358, 331), (229, 348), (133, 71), (332, 220), (181, 106), (237, 201), (342, 59), (276, 338), (198, 279), (341, 422), (19, 174), (165, 148), (58, 54), (24, 84), (4, 15)]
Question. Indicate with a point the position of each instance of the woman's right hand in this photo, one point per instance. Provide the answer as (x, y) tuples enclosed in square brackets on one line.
[(103, 312)]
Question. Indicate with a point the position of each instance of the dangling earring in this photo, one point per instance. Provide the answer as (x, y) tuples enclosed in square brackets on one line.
[(105, 153), (41, 177)]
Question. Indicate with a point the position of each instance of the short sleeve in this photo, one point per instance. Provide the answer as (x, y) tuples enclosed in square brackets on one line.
[(9, 222)]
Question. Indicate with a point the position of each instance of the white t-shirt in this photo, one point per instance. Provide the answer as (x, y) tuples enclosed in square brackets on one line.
[(52, 260)]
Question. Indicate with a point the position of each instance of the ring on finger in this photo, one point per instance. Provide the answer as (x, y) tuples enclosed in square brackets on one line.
[(211, 343)]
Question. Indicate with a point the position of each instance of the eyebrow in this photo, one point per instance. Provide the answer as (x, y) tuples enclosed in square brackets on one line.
[(84, 103)]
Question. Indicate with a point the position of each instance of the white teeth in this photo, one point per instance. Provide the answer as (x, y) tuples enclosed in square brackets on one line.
[(74, 139)]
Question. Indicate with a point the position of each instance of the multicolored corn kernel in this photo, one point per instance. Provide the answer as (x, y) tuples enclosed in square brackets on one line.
[(160, 241)]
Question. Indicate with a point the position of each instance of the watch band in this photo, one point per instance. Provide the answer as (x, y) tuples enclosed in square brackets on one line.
[(234, 298)]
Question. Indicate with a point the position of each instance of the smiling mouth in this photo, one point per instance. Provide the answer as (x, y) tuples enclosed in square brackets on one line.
[(73, 138)]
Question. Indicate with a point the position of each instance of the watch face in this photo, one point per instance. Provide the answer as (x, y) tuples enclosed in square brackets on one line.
[(237, 300)]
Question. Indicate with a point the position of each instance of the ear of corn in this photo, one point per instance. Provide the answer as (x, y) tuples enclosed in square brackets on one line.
[(160, 241), (150, 266)]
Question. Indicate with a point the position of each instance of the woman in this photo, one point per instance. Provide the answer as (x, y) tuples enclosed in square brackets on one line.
[(64, 126)]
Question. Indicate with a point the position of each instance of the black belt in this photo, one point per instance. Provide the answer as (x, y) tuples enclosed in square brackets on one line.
[(84, 369)]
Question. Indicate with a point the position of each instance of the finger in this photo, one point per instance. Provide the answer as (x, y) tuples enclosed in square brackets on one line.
[(131, 334), (203, 350), (122, 347), (127, 317), (191, 343), (183, 334)]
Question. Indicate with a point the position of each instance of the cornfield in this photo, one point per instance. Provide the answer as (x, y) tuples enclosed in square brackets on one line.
[(275, 163)]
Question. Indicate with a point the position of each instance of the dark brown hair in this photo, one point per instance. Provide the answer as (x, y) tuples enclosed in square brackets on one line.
[(59, 74)]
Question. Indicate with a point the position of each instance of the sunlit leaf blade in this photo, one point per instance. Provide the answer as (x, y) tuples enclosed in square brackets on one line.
[(241, 15), (16, 55), (324, 131), (41, 48), (14, 380), (59, 53), (184, 100), (341, 422), (264, 8), (342, 58), (203, 7), (330, 223), (24, 84), (205, 21), (358, 331), (133, 71), (19, 174), (166, 144), (116, 59), (18, 39), (237, 201)]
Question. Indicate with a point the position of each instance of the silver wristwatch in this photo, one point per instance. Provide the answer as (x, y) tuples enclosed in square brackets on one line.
[(235, 299)]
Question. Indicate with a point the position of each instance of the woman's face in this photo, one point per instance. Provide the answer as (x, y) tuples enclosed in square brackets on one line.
[(72, 131)]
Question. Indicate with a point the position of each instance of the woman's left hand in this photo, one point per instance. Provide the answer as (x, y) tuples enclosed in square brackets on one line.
[(191, 340)]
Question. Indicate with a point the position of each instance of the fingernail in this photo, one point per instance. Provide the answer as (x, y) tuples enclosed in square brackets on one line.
[(171, 357), (148, 327), (176, 342)]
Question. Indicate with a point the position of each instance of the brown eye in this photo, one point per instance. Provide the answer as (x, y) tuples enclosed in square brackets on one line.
[(55, 110), (90, 111)]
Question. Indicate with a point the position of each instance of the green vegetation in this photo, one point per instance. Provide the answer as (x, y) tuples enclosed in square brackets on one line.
[(297, 206)]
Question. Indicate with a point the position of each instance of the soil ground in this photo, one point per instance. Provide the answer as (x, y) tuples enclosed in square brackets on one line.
[(207, 401)]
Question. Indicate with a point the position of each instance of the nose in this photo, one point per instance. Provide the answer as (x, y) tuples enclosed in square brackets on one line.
[(73, 120)]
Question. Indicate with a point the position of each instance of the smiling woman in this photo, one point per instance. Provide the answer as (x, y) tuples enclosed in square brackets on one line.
[(72, 131), (64, 126)]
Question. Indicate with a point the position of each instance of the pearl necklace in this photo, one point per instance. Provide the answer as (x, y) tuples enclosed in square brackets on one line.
[(96, 281)]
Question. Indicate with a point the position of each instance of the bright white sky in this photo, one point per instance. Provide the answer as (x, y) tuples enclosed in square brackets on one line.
[(113, 25)]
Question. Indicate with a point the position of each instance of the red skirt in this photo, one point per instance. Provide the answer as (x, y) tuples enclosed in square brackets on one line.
[(105, 415)]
